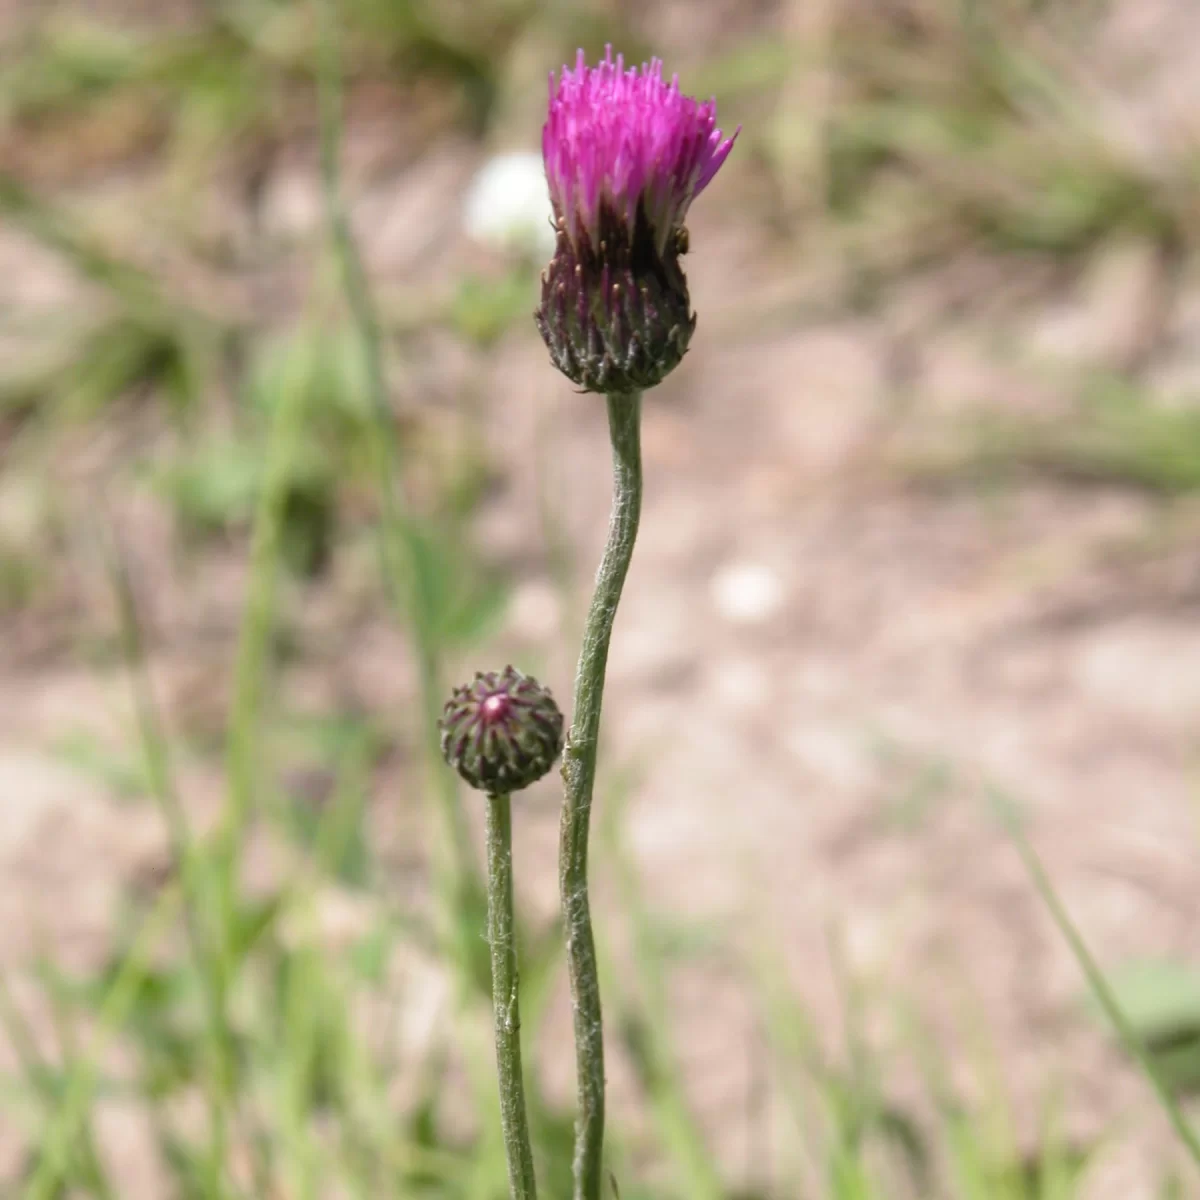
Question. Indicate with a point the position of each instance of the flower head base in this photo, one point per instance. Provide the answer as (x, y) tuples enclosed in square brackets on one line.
[(626, 153), (502, 731)]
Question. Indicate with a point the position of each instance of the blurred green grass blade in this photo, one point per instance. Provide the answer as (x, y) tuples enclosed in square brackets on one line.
[(230, 929), (198, 874), (842, 1116), (1161, 999), (645, 1024), (90, 1170), (156, 752), (253, 662), (1058, 1166), (339, 843), (960, 1136), (1096, 980), (123, 777), (1116, 435), (541, 957), (303, 1049), (407, 576), (62, 1127), (70, 63), (751, 66), (138, 290), (462, 602), (23, 1043), (791, 1034), (484, 308)]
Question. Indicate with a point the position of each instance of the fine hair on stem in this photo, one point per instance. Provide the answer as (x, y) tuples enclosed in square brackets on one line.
[(579, 774)]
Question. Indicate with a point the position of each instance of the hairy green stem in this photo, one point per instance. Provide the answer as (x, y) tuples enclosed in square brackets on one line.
[(505, 1005), (579, 774), (1131, 1038)]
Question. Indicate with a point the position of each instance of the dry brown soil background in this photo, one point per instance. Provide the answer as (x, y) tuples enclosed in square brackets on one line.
[(822, 664)]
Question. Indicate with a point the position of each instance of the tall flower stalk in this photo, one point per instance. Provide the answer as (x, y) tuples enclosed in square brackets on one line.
[(626, 153), (506, 1007), (579, 775), (501, 732)]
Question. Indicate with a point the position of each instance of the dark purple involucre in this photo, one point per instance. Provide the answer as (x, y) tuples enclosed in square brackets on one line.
[(502, 731), (626, 153)]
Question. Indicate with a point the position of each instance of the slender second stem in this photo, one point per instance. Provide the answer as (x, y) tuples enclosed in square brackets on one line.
[(579, 774), (505, 1006)]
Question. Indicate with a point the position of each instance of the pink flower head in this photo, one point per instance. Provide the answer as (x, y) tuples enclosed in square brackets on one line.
[(623, 139)]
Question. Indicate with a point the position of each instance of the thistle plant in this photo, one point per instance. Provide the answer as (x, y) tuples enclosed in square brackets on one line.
[(502, 732), (626, 153)]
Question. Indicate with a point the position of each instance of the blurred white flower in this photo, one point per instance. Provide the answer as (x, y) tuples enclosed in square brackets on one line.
[(747, 593), (508, 204)]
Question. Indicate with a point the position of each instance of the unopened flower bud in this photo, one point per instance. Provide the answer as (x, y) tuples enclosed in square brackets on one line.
[(502, 731)]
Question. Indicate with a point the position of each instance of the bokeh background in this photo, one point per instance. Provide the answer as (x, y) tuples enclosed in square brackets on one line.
[(918, 568)]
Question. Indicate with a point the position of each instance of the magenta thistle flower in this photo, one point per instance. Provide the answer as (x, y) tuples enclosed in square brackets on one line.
[(626, 153), (627, 139)]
